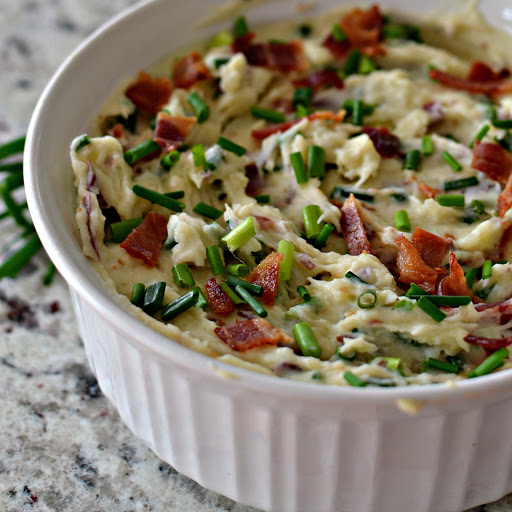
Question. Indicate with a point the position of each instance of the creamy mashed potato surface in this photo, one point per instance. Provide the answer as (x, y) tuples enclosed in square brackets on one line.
[(355, 168)]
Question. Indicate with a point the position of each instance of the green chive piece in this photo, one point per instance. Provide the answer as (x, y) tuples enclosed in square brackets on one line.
[(351, 62), (402, 221), (304, 30), (198, 155), (412, 159), (445, 300), (367, 299), (339, 192), (153, 298), (215, 259), (229, 145), (414, 289), (84, 141), (354, 380), (141, 150), (316, 162), (13, 181), (179, 305), (427, 146), (357, 113), (504, 124), (170, 159), (218, 63), (348, 105), (306, 340), (404, 304), (237, 269), (399, 197), (201, 109), (366, 65), (431, 310), (182, 276), (436, 364), (157, 198), (14, 209), (480, 135), (462, 183), (201, 299), (487, 269), (251, 301), (392, 363), (355, 277), (177, 194), (240, 27), (223, 38), (346, 357), (12, 147), (255, 289), (272, 116), (451, 161), (304, 294), (207, 211), (317, 376), (239, 235), (506, 141), (338, 33), (49, 274), (477, 206), (321, 239), (471, 276), (231, 294), (490, 364), (455, 200), (310, 215), (302, 96), (138, 292), (12, 167), (285, 267), (12, 265), (299, 168), (120, 230), (262, 198)]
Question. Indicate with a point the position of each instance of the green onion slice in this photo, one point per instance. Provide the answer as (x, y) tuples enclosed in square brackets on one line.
[(137, 297), (141, 150), (487, 269), (427, 146), (153, 298), (207, 211), (273, 116), (402, 221), (367, 299), (285, 267), (120, 230), (251, 301), (157, 198), (298, 167), (231, 294), (354, 380), (462, 183), (215, 259), (231, 146), (306, 340), (170, 159), (412, 159), (316, 161), (182, 276), (237, 269), (255, 289), (239, 235), (304, 294), (310, 215), (450, 160), (179, 305), (430, 309), (455, 200), (201, 109)]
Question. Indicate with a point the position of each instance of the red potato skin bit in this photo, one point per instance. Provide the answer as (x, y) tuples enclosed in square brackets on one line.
[(149, 93), (493, 160), (432, 248), (218, 299), (386, 144), (266, 274), (145, 241), (189, 70), (319, 80), (353, 229), (171, 131)]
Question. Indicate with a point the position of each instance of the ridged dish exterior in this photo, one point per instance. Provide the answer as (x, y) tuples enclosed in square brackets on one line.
[(301, 456)]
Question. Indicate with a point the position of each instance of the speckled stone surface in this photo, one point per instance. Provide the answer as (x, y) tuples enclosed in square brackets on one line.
[(62, 445)]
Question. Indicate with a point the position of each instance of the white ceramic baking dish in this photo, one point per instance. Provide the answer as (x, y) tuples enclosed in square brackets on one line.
[(278, 445)]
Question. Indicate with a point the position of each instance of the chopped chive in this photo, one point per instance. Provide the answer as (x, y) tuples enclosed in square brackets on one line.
[(354, 277), (451, 161), (170, 159), (480, 135), (120, 230), (207, 211), (215, 259), (321, 239), (477, 206), (84, 141), (455, 200), (487, 269), (317, 376), (198, 155), (347, 357), (427, 146), (402, 221), (304, 294), (255, 289), (302, 96), (412, 159), (237, 269), (338, 33), (262, 198), (430, 309), (285, 267), (12, 265), (462, 183), (201, 299), (240, 27), (231, 294), (506, 141), (310, 215), (14, 209), (12, 147), (367, 299), (182, 275), (339, 192), (354, 380), (217, 63), (306, 340), (137, 296), (222, 38), (141, 150), (239, 235), (179, 305), (404, 304), (470, 276), (153, 298), (12, 167), (13, 181), (201, 109), (272, 116), (444, 366), (414, 289), (316, 161), (251, 301), (304, 29), (490, 364), (445, 300), (504, 124), (357, 113), (231, 146), (366, 65), (348, 105), (49, 274), (351, 62), (394, 364), (157, 198), (298, 167)]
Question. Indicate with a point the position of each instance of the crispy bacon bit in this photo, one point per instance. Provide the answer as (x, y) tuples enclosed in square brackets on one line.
[(256, 184), (171, 131), (189, 70), (248, 334), (218, 299), (492, 159), (352, 227), (321, 79), (266, 274), (505, 198), (363, 30), (432, 248), (386, 144), (455, 282), (481, 72), (149, 93), (428, 191), (489, 344), (327, 115), (117, 130), (412, 267), (145, 241)]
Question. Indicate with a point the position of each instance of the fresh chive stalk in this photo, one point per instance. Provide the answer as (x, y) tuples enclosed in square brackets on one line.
[(170, 159), (12, 167), (450, 160), (251, 301), (366, 65), (404, 304), (478, 206), (357, 113), (487, 269), (503, 124), (323, 236), (394, 364), (198, 155), (354, 277), (430, 309), (255, 289), (237, 269), (218, 63), (285, 267), (436, 364), (351, 62), (143, 149), (157, 198), (12, 265), (480, 135), (84, 141), (138, 292), (49, 275), (272, 116), (231, 146), (402, 221), (179, 305), (302, 96), (414, 289), (222, 38), (338, 33), (262, 198), (215, 259), (240, 27), (298, 167), (239, 235), (14, 209), (354, 380), (427, 146), (201, 109), (153, 297), (304, 294), (12, 147), (120, 230), (462, 183), (445, 300), (182, 275), (367, 299), (494, 361), (339, 192), (455, 200), (207, 211), (201, 299), (231, 294), (412, 159), (310, 215), (471, 276), (316, 162), (306, 340)]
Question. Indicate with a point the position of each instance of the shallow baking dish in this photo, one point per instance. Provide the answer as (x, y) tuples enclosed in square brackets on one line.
[(275, 444)]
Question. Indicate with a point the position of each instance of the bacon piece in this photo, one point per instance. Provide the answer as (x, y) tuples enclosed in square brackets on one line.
[(493, 160), (248, 334), (171, 131), (428, 191), (489, 344), (266, 274), (145, 241), (505, 198), (189, 70), (363, 30), (265, 223), (218, 299), (432, 248), (149, 93), (306, 261), (481, 72), (455, 282), (352, 227), (117, 130), (386, 144), (321, 79), (327, 115), (412, 267)]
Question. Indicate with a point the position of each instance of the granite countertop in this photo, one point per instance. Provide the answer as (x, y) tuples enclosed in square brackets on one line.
[(62, 445)]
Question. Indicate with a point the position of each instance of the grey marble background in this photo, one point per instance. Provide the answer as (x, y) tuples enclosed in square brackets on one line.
[(62, 445)]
